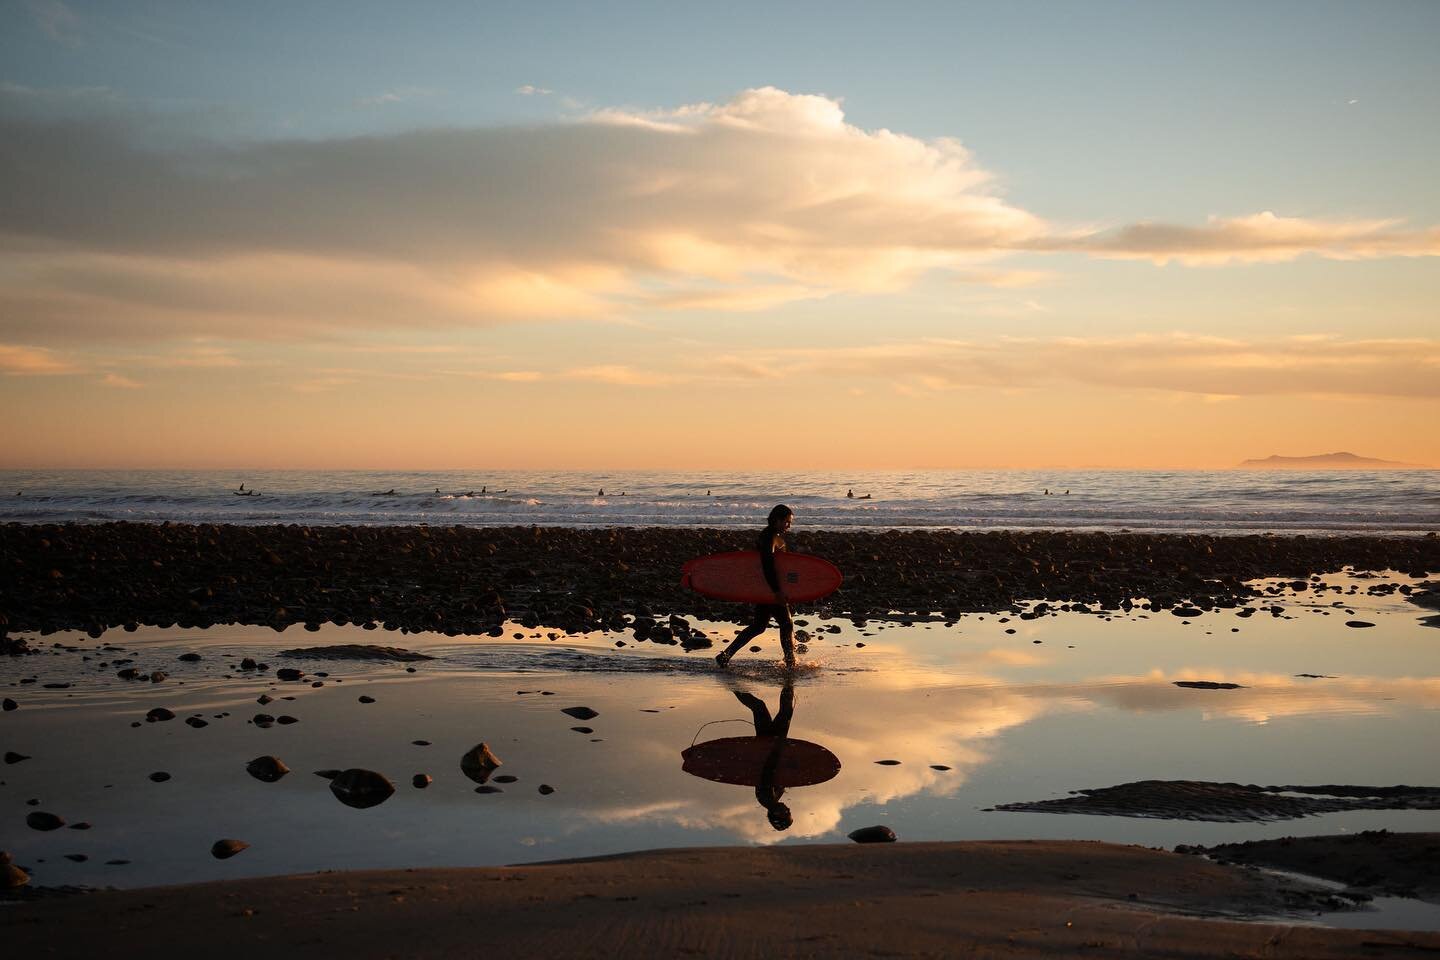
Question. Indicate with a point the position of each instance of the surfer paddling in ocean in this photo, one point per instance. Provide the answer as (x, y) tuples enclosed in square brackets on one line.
[(771, 542)]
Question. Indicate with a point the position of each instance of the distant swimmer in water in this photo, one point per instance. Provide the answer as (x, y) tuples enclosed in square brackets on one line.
[(483, 491), (850, 494), (601, 493), (242, 488), (866, 497), (387, 493)]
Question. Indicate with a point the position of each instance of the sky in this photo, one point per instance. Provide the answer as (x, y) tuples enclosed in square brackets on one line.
[(709, 236)]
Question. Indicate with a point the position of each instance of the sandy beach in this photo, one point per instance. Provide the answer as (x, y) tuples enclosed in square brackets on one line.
[(1020, 899)]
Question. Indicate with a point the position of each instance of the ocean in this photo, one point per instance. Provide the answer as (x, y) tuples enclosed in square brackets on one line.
[(1403, 502)]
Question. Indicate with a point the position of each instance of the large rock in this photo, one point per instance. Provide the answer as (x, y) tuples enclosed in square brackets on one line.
[(361, 788), (40, 820), (479, 763)]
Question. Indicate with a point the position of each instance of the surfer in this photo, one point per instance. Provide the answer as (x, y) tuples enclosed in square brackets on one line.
[(849, 494), (771, 542), (767, 794)]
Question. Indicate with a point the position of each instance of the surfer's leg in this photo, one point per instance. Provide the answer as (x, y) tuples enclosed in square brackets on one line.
[(787, 634), (759, 712), (758, 623)]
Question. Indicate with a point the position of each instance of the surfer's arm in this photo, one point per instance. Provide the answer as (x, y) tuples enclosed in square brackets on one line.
[(767, 564)]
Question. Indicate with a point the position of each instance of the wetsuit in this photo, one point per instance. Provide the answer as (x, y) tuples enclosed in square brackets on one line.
[(769, 543), (767, 793)]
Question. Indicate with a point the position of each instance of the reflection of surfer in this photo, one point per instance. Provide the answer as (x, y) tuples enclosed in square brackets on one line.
[(767, 793), (771, 541)]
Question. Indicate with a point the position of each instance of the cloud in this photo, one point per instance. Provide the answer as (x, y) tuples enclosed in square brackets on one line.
[(117, 380), (56, 20), (26, 361), (530, 90), (398, 95), (1184, 363), (114, 230), (1261, 238)]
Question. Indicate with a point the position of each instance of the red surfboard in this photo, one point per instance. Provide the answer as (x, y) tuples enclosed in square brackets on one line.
[(739, 576), (742, 761)]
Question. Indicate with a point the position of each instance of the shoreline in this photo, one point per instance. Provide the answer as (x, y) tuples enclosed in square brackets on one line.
[(991, 898), (472, 580)]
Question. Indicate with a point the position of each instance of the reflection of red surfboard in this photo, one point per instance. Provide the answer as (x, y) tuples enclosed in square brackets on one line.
[(739, 576), (742, 761)]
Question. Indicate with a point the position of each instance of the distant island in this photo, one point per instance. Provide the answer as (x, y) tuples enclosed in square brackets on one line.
[(1325, 461)]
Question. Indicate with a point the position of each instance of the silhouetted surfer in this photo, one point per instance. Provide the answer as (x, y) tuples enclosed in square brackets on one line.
[(770, 542), (767, 794)]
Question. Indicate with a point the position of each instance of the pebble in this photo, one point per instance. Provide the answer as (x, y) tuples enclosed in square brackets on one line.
[(421, 780), (159, 715), (40, 820), (366, 699), (361, 788), (1358, 623), (581, 713), (876, 834), (267, 768), (159, 776), (12, 757), (545, 789), (10, 705), (227, 848), (288, 673)]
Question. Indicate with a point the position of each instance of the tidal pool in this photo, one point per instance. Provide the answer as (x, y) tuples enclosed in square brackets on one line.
[(989, 710)]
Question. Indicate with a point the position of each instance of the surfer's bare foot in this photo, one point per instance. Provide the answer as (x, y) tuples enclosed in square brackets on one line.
[(723, 659)]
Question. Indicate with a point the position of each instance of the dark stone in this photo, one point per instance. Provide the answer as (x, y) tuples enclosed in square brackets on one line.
[(581, 713), (361, 788), (366, 699), (267, 768), (11, 705), (264, 698), (888, 763), (288, 673), (479, 763), (196, 722), (545, 789), (285, 720), (189, 658), (876, 834), (1208, 685), (159, 776), (225, 849), (40, 820), (421, 780), (12, 757), (1358, 623), (159, 714)]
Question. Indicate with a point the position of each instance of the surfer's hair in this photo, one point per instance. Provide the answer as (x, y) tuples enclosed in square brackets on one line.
[(779, 513)]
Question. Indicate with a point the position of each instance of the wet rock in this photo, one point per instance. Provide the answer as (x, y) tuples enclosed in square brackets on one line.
[(10, 705), (12, 757), (262, 719), (361, 788), (1208, 685), (159, 715), (1360, 624), (479, 763), (264, 698), (288, 673), (159, 776), (421, 780), (267, 768), (581, 713), (196, 722), (1187, 612), (158, 676), (582, 729), (227, 848), (11, 876), (81, 825), (486, 788), (77, 857), (545, 789), (876, 834), (128, 673), (40, 820), (248, 663), (506, 778), (366, 699), (888, 763), (189, 658), (285, 719), (355, 651)]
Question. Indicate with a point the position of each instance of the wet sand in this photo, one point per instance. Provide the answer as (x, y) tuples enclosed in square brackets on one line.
[(1398, 864), (1001, 899), (461, 580)]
